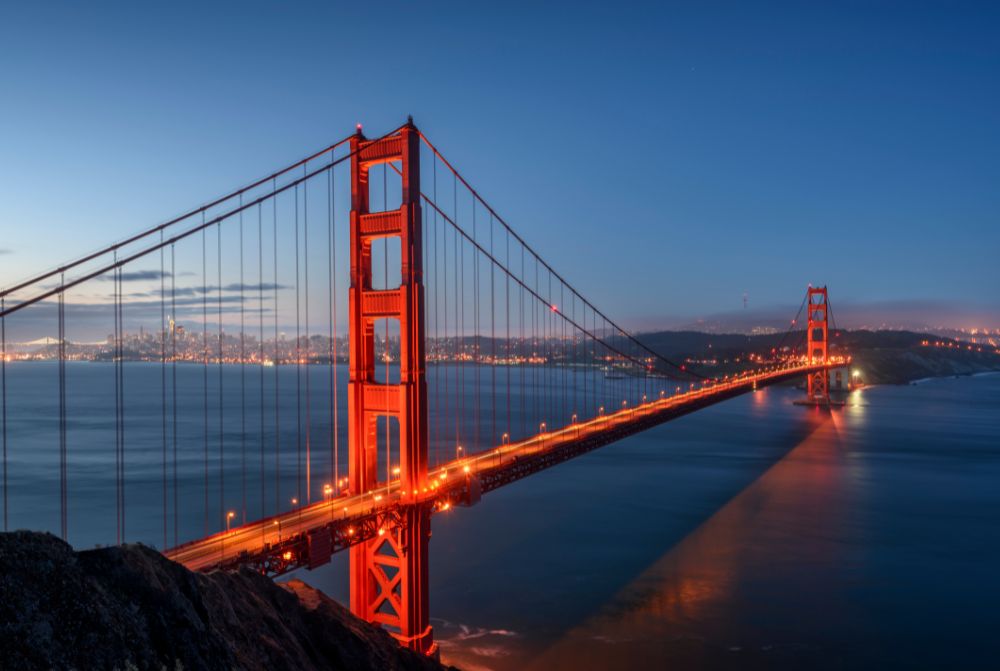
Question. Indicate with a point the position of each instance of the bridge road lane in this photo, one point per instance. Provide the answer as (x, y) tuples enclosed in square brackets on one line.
[(445, 482)]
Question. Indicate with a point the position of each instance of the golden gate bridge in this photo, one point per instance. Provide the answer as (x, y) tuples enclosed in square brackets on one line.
[(472, 363)]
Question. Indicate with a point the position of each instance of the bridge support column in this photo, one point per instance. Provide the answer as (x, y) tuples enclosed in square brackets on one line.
[(389, 573), (817, 339)]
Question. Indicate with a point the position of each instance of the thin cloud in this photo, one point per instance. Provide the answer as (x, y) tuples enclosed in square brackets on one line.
[(136, 276)]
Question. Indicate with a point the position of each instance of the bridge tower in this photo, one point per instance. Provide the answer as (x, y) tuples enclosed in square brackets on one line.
[(818, 384), (389, 581)]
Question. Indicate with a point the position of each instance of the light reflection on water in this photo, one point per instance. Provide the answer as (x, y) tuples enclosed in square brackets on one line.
[(859, 539)]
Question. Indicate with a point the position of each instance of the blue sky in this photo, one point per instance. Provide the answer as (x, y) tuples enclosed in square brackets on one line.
[(664, 157)]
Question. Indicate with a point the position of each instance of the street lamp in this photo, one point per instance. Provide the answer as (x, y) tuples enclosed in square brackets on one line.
[(229, 518), (505, 438), (458, 452), (327, 491)]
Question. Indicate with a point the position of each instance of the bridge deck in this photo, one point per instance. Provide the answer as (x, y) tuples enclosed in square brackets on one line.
[(309, 535)]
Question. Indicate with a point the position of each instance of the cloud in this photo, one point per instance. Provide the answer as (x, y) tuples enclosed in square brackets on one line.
[(5, 251), (136, 276)]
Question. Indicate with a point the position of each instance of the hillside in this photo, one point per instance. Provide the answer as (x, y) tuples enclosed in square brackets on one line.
[(882, 357), (130, 608)]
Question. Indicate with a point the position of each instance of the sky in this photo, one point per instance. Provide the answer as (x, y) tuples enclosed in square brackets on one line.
[(667, 158)]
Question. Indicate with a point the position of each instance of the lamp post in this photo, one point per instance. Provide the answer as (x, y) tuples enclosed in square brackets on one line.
[(229, 518)]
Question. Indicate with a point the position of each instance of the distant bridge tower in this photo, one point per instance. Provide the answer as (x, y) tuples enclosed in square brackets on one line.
[(817, 338), (389, 581)]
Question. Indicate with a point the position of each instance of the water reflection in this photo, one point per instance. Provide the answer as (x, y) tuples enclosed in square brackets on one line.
[(690, 606)]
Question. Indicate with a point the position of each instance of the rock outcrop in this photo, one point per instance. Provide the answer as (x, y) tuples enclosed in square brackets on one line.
[(130, 608)]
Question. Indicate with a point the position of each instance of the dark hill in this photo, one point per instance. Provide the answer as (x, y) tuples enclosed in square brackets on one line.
[(130, 608), (882, 357)]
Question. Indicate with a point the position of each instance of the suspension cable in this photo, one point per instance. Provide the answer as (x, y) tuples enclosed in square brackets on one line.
[(521, 240), (162, 227)]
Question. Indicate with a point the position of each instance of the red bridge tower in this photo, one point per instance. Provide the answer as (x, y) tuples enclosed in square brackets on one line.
[(389, 583), (818, 383)]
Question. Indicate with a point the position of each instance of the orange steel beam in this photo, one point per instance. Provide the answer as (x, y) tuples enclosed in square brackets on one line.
[(389, 571)]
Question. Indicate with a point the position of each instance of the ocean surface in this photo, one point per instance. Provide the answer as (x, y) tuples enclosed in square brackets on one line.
[(753, 534)]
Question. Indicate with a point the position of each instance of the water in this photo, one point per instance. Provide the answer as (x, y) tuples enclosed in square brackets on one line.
[(753, 534)]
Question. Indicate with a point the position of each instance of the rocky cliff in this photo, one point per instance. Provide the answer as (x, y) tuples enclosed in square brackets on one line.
[(130, 608)]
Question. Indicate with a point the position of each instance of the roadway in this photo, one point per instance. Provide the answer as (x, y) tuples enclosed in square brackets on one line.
[(449, 483)]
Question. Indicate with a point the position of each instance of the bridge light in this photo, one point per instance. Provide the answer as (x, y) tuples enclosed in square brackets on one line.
[(467, 469), (287, 556), (445, 505), (350, 531), (395, 471), (381, 532)]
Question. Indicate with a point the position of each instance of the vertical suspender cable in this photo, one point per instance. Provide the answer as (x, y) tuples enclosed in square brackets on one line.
[(509, 359), (435, 438), (260, 346), (477, 360), (121, 390), (173, 373), (204, 360), (243, 380), (522, 370), (114, 358), (336, 349), (332, 343), (298, 358), (163, 387), (444, 344), (3, 401), (460, 320), (222, 433), (493, 341), (305, 258), (277, 357), (62, 409)]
